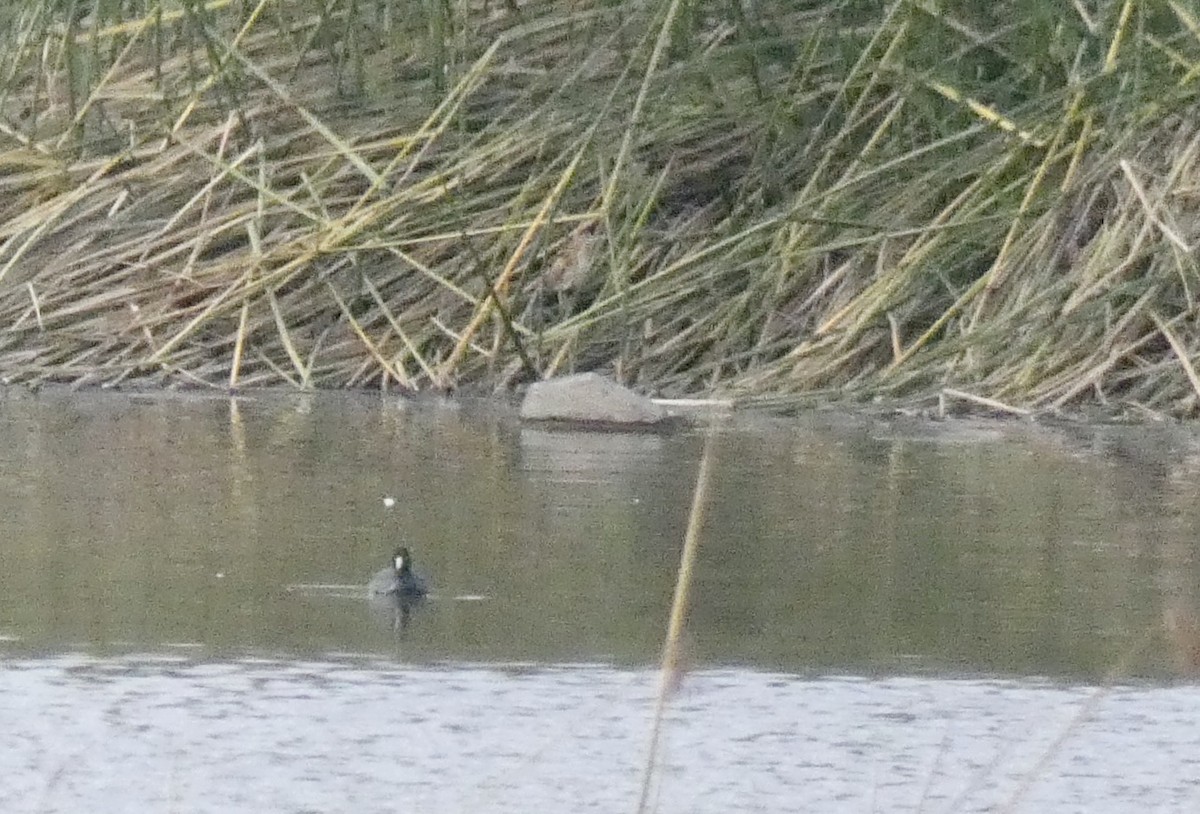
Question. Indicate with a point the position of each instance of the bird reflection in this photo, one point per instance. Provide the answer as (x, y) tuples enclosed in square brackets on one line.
[(395, 611)]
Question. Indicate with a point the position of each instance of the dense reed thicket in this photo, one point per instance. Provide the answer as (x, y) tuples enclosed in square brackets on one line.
[(775, 200)]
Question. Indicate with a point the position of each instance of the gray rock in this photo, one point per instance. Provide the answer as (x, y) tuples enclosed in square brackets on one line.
[(588, 398)]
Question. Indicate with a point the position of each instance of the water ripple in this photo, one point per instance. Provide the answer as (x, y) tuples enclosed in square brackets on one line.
[(253, 735)]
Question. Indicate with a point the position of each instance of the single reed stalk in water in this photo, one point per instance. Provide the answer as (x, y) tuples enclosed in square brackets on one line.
[(668, 678)]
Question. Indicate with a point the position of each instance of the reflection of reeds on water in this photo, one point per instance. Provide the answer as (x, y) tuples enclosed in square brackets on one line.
[(672, 667), (1183, 633)]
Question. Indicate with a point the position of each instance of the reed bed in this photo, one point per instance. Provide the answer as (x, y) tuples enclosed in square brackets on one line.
[(773, 201)]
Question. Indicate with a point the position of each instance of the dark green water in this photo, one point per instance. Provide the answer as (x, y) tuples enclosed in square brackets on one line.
[(857, 546)]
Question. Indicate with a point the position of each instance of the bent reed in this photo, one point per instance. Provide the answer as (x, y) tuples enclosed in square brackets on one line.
[(773, 201)]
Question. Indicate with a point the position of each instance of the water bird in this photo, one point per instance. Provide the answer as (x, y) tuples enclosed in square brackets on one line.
[(398, 580)]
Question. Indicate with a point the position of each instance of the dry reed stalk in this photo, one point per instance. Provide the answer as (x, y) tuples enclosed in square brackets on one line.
[(986, 403), (670, 670)]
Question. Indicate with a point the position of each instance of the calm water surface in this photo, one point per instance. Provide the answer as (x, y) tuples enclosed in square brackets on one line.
[(888, 615)]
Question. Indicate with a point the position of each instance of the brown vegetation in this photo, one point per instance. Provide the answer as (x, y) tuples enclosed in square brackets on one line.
[(775, 201)]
